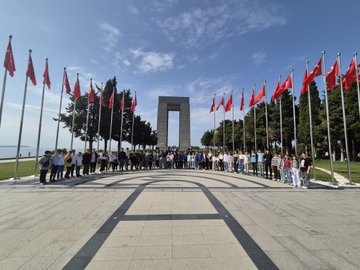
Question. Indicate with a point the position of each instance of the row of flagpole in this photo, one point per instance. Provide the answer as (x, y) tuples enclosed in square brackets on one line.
[(9, 66), (352, 75)]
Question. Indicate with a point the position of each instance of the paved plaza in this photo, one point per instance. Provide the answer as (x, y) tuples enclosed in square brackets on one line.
[(177, 219)]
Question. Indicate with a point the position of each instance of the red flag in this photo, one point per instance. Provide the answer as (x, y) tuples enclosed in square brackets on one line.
[(314, 73), (260, 95), (284, 86), (331, 75), (122, 103), (91, 96), (304, 87), (9, 63), (77, 93), (111, 100), (221, 103), (67, 84), (133, 105), (229, 104), (46, 75), (252, 100), (277, 89), (30, 71), (212, 108), (350, 75), (102, 102), (242, 101)]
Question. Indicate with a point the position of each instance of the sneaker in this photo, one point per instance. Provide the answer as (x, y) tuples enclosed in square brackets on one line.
[(304, 187), (41, 184)]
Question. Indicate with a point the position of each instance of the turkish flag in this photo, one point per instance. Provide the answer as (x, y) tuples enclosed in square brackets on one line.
[(252, 100), (77, 93), (242, 101), (46, 75), (66, 83), (30, 71), (229, 104), (284, 86), (111, 100), (350, 75), (122, 103), (212, 108), (260, 95), (221, 103), (331, 75), (304, 87), (91, 96), (277, 89), (133, 105), (102, 102), (9, 63), (315, 72)]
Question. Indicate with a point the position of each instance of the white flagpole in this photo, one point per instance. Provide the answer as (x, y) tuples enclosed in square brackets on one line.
[(266, 119), (73, 120), (132, 128), (87, 120), (281, 123), (3, 89), (40, 122), (122, 119), (111, 118), (99, 122), (357, 79), (311, 129), (344, 119), (21, 126), (244, 142), (224, 123), (214, 121), (233, 128), (294, 112), (255, 142), (58, 121), (328, 118)]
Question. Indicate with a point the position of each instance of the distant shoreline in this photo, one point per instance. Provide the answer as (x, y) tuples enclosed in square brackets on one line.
[(14, 146)]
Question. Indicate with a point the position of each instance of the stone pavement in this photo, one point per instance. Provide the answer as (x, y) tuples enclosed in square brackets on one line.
[(177, 219)]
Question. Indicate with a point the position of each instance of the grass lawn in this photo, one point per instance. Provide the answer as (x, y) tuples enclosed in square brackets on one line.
[(340, 168), (26, 168)]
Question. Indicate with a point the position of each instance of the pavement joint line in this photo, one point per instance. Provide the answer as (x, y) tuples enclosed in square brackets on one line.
[(170, 217), (83, 257)]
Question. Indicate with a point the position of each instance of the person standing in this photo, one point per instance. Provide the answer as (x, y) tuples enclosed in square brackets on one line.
[(45, 163), (68, 164), (126, 159), (246, 163), (55, 162), (78, 163), (60, 172), (241, 162), (295, 172), (253, 160), (305, 165), (287, 168), (281, 168), (86, 158), (236, 162), (274, 166), (103, 162), (260, 160), (93, 160), (221, 162), (267, 161)]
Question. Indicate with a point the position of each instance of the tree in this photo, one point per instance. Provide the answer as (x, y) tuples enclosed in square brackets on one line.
[(208, 138)]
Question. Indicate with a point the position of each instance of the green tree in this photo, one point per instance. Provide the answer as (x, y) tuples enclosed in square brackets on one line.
[(208, 138)]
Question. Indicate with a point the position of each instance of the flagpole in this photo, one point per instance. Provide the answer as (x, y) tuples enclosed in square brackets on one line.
[(122, 119), (214, 121), (233, 128), (244, 143), (132, 128), (311, 128), (328, 119), (266, 120), (73, 120), (294, 111), (357, 79), (111, 118), (58, 122), (344, 119), (3, 89), (281, 123), (40, 122), (99, 122), (87, 120), (255, 142), (21, 125), (224, 124)]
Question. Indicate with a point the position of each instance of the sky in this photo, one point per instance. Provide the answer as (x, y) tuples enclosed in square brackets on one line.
[(166, 48)]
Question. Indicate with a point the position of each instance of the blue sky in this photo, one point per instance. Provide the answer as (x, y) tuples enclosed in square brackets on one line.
[(168, 47)]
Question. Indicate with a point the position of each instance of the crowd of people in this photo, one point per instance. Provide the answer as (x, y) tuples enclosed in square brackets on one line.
[(273, 166)]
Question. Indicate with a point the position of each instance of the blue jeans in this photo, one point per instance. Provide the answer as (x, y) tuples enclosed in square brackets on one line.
[(241, 166), (236, 167), (225, 166)]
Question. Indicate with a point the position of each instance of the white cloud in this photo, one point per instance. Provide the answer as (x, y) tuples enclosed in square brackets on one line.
[(32, 108), (147, 62), (155, 93), (93, 61), (201, 26), (126, 62), (110, 35), (133, 10), (162, 5), (259, 57)]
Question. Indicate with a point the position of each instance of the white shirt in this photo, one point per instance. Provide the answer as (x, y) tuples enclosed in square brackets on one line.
[(246, 159)]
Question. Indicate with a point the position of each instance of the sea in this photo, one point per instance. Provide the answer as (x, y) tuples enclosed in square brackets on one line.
[(9, 151)]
